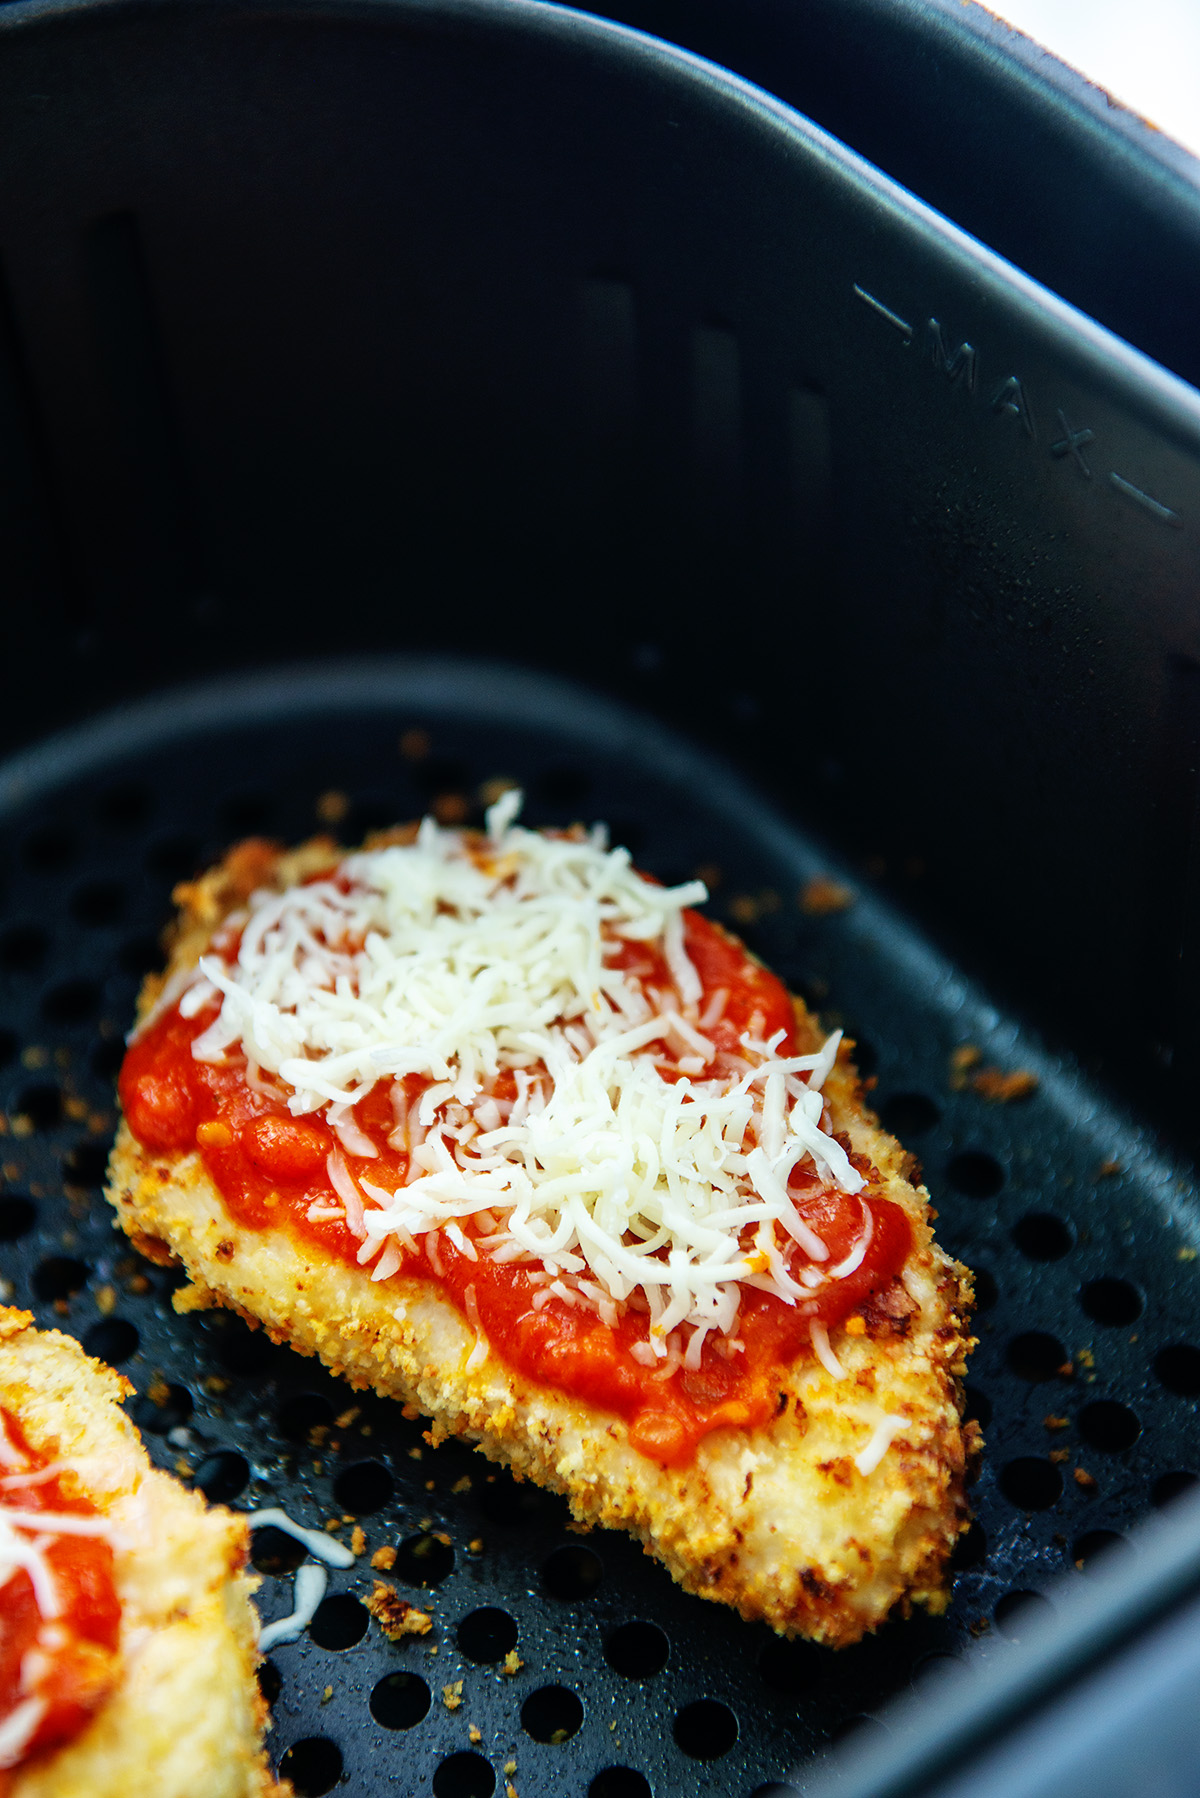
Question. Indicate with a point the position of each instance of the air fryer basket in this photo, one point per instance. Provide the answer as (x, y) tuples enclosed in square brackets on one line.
[(496, 332)]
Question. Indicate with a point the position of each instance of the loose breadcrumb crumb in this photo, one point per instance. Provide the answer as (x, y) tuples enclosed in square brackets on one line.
[(106, 1300), (384, 1558), (326, 1695), (358, 1539), (394, 1615), (512, 1663), (1085, 1479), (452, 1695), (962, 1060), (474, 1733), (1051, 1422), (822, 896), (999, 1088), (463, 1485)]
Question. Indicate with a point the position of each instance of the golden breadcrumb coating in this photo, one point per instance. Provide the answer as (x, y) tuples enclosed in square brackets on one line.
[(185, 1718), (777, 1521)]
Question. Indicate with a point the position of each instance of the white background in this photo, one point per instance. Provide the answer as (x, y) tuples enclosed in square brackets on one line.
[(1145, 52)]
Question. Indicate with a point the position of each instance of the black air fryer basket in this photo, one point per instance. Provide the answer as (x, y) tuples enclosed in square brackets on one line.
[(396, 397)]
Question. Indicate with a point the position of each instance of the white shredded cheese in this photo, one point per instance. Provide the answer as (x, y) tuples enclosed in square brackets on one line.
[(467, 966), (317, 1542), (16, 1730), (885, 1432), (25, 1537), (824, 1354), (308, 1589)]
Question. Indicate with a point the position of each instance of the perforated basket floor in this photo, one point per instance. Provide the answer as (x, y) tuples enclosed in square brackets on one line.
[(1083, 1240)]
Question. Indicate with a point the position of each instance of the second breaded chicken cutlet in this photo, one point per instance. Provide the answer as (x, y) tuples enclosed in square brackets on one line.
[(507, 1131), (128, 1642)]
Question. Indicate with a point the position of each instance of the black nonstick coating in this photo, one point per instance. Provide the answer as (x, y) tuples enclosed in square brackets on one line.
[(1082, 1236)]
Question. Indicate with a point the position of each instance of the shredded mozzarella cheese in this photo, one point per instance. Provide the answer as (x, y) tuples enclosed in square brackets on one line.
[(462, 965), (25, 1537), (317, 1542), (885, 1432), (308, 1589)]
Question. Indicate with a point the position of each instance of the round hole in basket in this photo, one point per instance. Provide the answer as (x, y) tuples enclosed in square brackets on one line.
[(113, 1339), (706, 1729), (971, 1548), (1110, 1300), (87, 1164), (99, 902), (400, 1700), (975, 1173), (163, 1408), (339, 1621), (1170, 1486), (42, 1104), (637, 1650), (71, 1002), (302, 1414), (1099, 1551), (23, 947), (274, 1551), (978, 1406), (464, 1775), (1109, 1426), (18, 1215), (987, 1293), (620, 1782), (424, 1559), (1043, 1236), (50, 850), (552, 1714), (1178, 1367), (572, 1572), (363, 1488), (222, 1476), (1020, 1614), (60, 1277), (908, 1114), (1031, 1483), (314, 1766), (487, 1634), (270, 1680), (1036, 1355)]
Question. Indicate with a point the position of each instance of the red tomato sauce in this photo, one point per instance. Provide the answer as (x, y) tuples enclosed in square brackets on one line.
[(80, 1644), (270, 1167)]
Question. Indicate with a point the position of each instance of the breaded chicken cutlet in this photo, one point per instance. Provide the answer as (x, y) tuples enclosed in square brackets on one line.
[(128, 1642), (503, 1129)]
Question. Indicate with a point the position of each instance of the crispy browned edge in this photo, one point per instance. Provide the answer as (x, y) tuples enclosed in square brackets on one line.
[(183, 1579), (146, 1191)]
